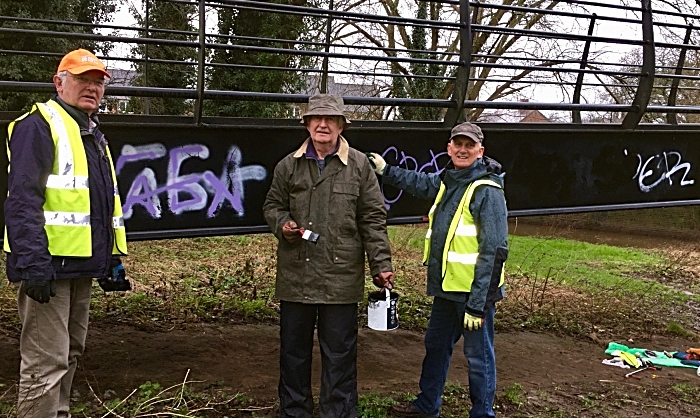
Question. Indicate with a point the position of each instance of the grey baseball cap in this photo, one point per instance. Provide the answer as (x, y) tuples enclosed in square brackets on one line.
[(469, 130), (325, 105)]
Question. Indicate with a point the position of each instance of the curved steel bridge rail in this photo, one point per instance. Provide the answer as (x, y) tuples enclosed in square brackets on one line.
[(554, 83)]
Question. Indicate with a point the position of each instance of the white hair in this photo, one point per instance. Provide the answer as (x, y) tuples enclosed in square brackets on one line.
[(62, 76), (338, 118)]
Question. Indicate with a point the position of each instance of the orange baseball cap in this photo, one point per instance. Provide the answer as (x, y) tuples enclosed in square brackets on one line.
[(81, 61)]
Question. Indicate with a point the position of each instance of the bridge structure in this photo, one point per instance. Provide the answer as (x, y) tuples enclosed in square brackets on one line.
[(588, 105)]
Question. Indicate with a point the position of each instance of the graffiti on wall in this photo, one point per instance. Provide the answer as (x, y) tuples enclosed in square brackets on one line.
[(185, 192), (398, 158), (659, 168)]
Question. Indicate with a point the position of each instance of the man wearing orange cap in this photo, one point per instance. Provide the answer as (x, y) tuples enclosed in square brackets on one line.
[(63, 227)]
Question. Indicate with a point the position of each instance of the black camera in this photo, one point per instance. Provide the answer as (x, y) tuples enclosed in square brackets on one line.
[(117, 282)]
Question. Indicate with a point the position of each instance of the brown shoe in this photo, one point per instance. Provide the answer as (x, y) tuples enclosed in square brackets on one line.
[(406, 410)]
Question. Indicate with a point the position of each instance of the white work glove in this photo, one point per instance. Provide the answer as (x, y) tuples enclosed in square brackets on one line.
[(472, 323), (377, 162)]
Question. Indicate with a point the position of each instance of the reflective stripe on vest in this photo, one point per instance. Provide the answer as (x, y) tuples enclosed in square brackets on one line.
[(67, 204), (461, 249)]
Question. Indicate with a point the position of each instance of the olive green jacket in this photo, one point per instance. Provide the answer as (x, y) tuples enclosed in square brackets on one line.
[(344, 204)]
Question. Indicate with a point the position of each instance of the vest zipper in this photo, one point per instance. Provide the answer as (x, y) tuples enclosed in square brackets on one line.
[(103, 163)]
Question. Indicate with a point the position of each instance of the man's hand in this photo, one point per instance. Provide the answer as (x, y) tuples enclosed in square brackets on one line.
[(472, 323), (290, 231), (377, 162), (117, 282), (384, 279), (41, 290)]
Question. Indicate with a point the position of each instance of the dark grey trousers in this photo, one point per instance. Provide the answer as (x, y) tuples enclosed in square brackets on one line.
[(337, 336)]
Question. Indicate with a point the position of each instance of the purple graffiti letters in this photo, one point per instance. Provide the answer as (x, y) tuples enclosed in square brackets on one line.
[(144, 192), (187, 184), (397, 158), (186, 192)]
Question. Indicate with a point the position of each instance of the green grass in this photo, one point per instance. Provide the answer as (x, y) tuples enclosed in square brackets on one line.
[(374, 405), (455, 398), (411, 237), (578, 288), (232, 279), (579, 263), (568, 262), (686, 392), (565, 286), (679, 330), (514, 394)]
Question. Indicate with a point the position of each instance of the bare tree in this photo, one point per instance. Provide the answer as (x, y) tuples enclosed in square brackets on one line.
[(503, 40), (677, 69)]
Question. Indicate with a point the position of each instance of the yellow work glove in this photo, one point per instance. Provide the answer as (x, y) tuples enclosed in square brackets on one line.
[(377, 162), (472, 323)]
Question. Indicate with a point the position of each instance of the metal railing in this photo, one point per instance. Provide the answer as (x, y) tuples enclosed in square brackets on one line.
[(446, 61)]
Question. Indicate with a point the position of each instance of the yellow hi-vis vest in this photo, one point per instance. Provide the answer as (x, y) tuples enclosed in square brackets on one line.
[(461, 246), (67, 205)]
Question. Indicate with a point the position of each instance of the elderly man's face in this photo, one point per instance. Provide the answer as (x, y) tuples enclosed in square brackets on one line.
[(324, 130), (83, 91), (464, 151)]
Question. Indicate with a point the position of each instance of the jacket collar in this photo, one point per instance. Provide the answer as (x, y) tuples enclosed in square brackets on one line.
[(450, 175), (342, 153), (87, 124)]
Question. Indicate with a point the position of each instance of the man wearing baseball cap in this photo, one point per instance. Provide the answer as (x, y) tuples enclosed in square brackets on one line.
[(465, 250), (326, 210), (63, 227)]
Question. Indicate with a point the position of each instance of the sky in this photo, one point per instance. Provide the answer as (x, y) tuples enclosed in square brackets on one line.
[(537, 93), (123, 17)]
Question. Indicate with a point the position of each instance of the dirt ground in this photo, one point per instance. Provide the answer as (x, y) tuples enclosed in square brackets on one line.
[(539, 374), (245, 358)]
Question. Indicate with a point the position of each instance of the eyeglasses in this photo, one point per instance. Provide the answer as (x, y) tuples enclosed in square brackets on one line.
[(85, 80)]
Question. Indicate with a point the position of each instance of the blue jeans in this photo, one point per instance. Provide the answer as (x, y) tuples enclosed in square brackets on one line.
[(444, 330)]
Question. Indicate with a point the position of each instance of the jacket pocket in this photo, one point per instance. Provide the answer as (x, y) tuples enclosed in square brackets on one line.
[(348, 255), (345, 193), (343, 206)]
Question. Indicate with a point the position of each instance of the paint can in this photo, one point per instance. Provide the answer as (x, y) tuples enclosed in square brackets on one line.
[(382, 310)]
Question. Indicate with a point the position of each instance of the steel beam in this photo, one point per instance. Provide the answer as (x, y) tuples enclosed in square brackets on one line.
[(646, 79)]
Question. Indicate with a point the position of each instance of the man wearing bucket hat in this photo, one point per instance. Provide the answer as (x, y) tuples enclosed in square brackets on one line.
[(465, 250), (63, 227), (326, 210)]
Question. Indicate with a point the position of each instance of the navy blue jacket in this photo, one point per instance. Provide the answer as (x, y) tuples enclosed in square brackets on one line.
[(32, 150), (488, 208)]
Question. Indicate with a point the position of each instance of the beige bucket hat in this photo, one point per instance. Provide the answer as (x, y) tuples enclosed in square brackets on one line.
[(325, 105)]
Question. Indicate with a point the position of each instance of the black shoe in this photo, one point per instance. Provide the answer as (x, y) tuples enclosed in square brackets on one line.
[(406, 410)]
